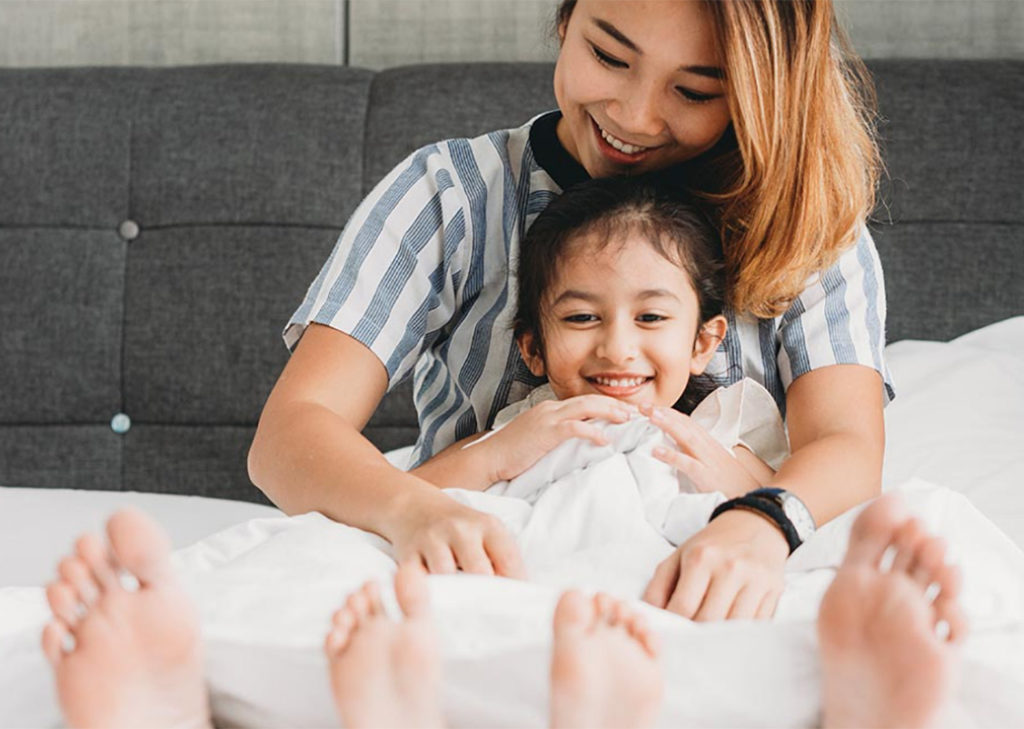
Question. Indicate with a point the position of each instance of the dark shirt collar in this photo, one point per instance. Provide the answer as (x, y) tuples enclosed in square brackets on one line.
[(551, 155)]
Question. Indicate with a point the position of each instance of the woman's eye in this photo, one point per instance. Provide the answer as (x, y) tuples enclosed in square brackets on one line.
[(695, 96), (607, 60)]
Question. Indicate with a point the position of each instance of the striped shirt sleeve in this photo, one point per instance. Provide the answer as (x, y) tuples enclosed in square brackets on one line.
[(391, 280), (838, 319)]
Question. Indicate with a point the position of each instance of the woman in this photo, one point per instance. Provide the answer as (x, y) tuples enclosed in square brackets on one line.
[(748, 104)]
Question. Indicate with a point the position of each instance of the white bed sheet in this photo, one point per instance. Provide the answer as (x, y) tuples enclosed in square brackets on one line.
[(958, 421)]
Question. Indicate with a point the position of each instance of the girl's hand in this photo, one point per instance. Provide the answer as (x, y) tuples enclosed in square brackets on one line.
[(701, 458), (435, 530), (534, 433), (732, 568)]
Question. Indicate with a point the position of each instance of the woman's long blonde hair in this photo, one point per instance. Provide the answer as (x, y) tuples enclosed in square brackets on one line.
[(799, 183), (803, 113)]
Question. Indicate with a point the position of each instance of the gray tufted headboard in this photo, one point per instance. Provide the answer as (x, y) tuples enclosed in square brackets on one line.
[(158, 227)]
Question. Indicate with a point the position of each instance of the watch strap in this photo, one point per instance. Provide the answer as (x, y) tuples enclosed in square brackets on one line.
[(769, 510)]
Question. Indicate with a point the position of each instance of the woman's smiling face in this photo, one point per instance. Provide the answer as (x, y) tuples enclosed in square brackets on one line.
[(640, 85)]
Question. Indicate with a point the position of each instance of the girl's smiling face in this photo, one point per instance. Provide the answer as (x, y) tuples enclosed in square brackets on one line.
[(639, 84), (621, 320)]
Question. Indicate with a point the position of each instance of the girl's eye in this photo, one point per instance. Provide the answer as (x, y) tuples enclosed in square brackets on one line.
[(580, 318), (695, 97), (651, 318), (607, 60)]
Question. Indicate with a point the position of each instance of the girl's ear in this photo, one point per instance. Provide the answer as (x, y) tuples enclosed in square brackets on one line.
[(531, 353), (709, 337)]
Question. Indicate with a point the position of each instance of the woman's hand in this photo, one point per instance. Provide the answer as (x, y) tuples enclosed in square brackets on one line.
[(732, 568), (433, 529), (701, 458), (537, 431)]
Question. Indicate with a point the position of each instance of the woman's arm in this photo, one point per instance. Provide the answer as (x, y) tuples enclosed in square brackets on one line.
[(458, 467), (309, 455), (733, 568)]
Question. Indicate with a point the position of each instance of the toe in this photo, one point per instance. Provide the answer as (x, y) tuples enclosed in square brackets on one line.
[(928, 561), (139, 545), (97, 558), (74, 572), (573, 614), (907, 542), (371, 590), (874, 529), (63, 602), (56, 636), (412, 590), (949, 612), (604, 607), (358, 604), (341, 629)]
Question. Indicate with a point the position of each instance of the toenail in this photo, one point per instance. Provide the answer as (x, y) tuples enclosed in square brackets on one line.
[(942, 630), (89, 594), (932, 591), (67, 643), (129, 581), (888, 557), (80, 610)]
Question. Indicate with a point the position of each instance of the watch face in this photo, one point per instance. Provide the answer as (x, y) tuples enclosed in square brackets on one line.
[(801, 518)]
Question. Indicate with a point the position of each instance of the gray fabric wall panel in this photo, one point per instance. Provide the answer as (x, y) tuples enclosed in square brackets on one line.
[(414, 106), (253, 144), (60, 456), (205, 310), (197, 460), (952, 140), (61, 299), (944, 279), (65, 136)]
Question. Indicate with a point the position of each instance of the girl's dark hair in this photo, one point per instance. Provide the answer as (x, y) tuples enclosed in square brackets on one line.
[(605, 210)]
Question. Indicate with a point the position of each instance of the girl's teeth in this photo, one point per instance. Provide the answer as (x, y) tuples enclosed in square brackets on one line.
[(607, 382), (620, 145)]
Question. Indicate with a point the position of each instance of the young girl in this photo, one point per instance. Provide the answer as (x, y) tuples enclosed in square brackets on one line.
[(620, 300), (754, 105)]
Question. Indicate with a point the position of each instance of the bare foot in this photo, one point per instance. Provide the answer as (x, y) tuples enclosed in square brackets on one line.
[(125, 657), (604, 668), (386, 673), (887, 635)]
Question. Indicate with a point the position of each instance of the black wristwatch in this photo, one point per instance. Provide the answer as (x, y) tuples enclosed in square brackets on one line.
[(776, 505)]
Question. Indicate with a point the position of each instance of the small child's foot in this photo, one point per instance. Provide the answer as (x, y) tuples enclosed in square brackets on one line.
[(125, 657), (386, 673), (604, 666), (886, 634)]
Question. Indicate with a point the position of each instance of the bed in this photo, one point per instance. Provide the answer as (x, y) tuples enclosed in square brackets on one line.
[(957, 423)]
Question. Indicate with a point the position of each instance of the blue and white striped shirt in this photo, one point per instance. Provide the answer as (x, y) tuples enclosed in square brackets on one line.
[(424, 276)]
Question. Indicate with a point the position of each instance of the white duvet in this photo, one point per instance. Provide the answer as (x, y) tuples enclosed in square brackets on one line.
[(266, 588)]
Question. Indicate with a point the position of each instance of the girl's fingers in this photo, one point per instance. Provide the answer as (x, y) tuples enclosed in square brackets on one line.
[(595, 406), (660, 588), (685, 464), (690, 437), (586, 431)]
